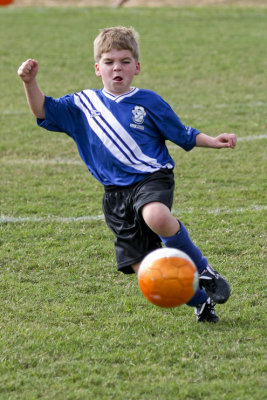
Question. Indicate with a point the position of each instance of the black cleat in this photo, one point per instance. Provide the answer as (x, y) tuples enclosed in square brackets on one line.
[(214, 285), (205, 312)]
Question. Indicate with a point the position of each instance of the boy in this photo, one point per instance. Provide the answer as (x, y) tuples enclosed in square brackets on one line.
[(120, 132)]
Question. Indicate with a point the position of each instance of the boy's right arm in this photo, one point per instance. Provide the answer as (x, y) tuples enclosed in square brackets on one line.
[(27, 72)]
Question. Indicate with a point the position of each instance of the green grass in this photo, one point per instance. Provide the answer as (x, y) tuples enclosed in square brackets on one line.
[(71, 326)]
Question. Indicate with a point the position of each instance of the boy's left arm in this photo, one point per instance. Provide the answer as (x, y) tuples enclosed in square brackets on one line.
[(224, 140)]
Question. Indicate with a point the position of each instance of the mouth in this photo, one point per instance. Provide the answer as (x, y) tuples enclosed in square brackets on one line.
[(117, 78)]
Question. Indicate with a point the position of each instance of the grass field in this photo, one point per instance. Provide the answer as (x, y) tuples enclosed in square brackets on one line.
[(71, 326)]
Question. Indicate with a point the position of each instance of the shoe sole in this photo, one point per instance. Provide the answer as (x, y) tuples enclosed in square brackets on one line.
[(214, 321)]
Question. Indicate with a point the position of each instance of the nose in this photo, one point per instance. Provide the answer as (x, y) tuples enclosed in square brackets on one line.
[(117, 66)]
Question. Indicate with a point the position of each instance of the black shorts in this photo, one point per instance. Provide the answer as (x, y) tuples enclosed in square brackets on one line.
[(121, 206)]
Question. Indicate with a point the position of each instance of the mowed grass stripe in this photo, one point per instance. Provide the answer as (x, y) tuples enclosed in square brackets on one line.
[(88, 218)]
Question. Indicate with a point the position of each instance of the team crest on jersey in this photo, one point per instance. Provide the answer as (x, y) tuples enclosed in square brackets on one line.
[(138, 114), (138, 117)]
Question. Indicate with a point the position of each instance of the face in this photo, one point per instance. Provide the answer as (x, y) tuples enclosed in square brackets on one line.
[(117, 69)]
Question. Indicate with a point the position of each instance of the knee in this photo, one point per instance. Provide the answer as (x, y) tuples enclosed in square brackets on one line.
[(157, 216)]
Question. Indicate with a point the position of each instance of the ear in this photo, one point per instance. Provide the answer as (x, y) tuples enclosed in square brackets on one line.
[(137, 68), (97, 71)]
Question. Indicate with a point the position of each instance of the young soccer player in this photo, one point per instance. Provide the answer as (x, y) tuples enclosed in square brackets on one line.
[(120, 132)]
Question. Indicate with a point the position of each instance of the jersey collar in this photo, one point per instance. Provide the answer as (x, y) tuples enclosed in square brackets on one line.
[(119, 98)]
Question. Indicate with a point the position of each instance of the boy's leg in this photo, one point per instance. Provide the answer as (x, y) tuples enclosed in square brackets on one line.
[(182, 241), (204, 306), (210, 280), (159, 218)]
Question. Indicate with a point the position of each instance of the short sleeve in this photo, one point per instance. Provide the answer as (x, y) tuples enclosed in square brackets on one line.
[(175, 131), (59, 114)]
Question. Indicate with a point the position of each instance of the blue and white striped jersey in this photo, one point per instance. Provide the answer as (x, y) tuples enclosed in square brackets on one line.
[(122, 138)]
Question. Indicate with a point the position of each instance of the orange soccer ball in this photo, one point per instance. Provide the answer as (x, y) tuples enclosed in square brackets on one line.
[(168, 277)]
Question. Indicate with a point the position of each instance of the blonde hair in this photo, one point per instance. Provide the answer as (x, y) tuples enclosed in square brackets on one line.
[(119, 38)]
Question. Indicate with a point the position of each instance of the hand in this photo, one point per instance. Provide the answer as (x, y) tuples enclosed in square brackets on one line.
[(36, 99), (28, 70), (225, 140)]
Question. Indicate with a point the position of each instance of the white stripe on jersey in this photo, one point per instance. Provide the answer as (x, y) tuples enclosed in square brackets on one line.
[(113, 135)]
